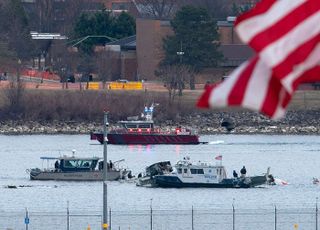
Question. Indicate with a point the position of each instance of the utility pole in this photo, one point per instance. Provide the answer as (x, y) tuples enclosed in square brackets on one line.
[(105, 170)]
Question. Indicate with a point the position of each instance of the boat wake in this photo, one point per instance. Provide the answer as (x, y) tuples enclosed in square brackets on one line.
[(216, 142)]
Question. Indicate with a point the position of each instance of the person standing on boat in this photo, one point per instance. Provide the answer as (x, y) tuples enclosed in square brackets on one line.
[(56, 165), (100, 166), (243, 172), (235, 174), (110, 164)]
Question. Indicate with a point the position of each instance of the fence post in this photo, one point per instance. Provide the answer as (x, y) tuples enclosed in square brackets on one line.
[(26, 219), (151, 214), (110, 219), (68, 216), (192, 227), (233, 217), (317, 213), (275, 217)]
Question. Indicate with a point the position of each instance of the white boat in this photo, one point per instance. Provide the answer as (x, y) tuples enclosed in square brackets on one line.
[(71, 168), (187, 174)]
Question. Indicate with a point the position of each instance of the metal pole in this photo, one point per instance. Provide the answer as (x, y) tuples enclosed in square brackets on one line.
[(192, 226), (68, 216), (233, 217), (27, 219), (275, 217), (105, 169), (110, 219)]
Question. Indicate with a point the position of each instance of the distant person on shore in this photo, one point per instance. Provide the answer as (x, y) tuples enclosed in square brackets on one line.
[(235, 174), (243, 172)]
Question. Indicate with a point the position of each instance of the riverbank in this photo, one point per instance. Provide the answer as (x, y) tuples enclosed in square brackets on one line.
[(295, 122)]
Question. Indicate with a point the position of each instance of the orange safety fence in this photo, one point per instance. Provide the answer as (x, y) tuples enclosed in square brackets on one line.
[(40, 74)]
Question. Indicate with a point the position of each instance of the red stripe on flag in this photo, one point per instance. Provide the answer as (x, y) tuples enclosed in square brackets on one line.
[(203, 102), (272, 98), (237, 93)]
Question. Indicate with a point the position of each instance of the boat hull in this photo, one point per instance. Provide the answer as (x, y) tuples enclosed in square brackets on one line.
[(74, 176), (165, 181), (146, 139)]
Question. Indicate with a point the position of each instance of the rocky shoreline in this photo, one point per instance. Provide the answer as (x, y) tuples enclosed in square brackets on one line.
[(296, 122)]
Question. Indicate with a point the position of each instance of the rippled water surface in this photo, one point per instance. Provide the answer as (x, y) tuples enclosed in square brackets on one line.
[(295, 159)]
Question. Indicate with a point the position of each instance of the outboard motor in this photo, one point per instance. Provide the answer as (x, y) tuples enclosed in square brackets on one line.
[(228, 123)]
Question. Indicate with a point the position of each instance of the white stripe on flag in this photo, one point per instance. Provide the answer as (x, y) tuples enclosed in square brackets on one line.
[(249, 28), (257, 87), (277, 52)]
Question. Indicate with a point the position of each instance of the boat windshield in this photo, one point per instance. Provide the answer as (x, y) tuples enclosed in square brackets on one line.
[(77, 163)]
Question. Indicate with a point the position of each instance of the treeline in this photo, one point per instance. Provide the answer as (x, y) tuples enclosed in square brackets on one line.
[(38, 105)]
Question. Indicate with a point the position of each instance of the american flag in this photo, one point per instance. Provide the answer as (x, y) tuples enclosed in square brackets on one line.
[(218, 158), (285, 35)]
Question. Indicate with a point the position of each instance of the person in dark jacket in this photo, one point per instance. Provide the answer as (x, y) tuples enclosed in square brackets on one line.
[(243, 171), (100, 166), (235, 174), (56, 165)]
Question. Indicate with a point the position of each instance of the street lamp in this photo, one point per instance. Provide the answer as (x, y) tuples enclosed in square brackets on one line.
[(180, 53)]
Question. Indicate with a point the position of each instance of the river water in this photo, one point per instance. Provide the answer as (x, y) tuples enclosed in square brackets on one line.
[(294, 159)]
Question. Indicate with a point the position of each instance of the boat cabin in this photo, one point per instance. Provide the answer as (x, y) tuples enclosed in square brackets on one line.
[(137, 126), (71, 164), (203, 171)]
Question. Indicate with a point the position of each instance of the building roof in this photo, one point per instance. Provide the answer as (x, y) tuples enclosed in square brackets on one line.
[(235, 54), (128, 43)]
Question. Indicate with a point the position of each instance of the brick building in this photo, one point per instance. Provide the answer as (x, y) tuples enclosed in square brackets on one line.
[(125, 58), (150, 35)]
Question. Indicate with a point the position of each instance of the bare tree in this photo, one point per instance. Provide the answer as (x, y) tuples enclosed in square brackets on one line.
[(65, 62), (159, 9), (69, 14), (174, 78), (219, 9), (14, 92), (55, 17), (106, 65)]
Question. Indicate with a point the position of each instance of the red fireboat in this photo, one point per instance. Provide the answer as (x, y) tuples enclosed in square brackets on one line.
[(141, 131)]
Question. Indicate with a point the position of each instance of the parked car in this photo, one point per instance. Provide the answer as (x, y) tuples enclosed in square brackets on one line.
[(122, 80), (3, 77)]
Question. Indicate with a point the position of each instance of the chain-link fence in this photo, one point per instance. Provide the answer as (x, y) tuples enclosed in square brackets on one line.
[(163, 219)]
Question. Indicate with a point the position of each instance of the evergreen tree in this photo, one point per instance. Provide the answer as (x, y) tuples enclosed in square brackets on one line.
[(195, 33), (124, 26)]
